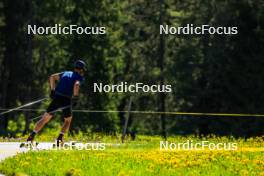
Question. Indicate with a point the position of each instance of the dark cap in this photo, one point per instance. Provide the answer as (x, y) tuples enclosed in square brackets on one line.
[(80, 64)]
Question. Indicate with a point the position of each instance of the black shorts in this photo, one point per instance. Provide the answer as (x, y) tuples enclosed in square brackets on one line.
[(60, 103)]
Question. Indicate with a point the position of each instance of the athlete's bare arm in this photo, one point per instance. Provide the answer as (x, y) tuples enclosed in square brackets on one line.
[(52, 80), (76, 89)]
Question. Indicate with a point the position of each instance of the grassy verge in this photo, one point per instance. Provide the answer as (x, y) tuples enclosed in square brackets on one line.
[(142, 157)]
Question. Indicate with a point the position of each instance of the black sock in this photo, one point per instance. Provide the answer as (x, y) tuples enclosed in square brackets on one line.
[(33, 134), (60, 137)]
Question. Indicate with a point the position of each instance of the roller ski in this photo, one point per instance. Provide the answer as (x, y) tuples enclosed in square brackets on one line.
[(60, 144), (30, 143), (59, 141)]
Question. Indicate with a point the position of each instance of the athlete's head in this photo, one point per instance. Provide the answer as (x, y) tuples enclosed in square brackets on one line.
[(80, 67)]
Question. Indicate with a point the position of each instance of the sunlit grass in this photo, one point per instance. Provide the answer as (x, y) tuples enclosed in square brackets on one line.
[(143, 157)]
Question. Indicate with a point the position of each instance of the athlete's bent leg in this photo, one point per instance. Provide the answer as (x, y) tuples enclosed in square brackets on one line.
[(39, 125), (66, 124), (64, 129)]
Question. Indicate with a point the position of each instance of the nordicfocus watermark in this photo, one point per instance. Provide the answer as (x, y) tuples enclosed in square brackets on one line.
[(190, 29), (67, 146), (133, 88), (58, 29), (203, 145)]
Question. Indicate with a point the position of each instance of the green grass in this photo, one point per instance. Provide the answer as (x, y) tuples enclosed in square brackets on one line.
[(142, 157)]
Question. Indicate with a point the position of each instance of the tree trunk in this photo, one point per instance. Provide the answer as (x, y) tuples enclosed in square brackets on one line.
[(29, 63), (162, 96)]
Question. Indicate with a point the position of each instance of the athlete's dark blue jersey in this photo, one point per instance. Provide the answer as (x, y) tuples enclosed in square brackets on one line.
[(66, 83)]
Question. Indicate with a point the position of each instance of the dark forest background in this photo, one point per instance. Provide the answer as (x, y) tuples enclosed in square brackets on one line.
[(209, 73)]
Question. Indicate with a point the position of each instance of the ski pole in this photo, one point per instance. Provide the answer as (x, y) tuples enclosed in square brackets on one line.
[(51, 112), (25, 105)]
